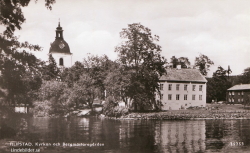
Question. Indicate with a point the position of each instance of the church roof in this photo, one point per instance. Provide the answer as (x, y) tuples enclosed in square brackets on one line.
[(185, 75), (59, 45), (240, 87)]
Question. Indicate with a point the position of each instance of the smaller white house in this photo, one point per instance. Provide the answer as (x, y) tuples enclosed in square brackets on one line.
[(182, 88)]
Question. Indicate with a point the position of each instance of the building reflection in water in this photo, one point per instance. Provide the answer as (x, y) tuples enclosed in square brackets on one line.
[(180, 136)]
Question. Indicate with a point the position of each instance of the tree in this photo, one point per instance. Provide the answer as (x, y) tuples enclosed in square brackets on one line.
[(15, 61), (85, 90), (174, 61), (98, 67), (11, 15), (87, 79), (57, 94), (217, 86), (140, 55), (245, 78), (183, 61), (50, 71), (203, 63), (72, 74), (117, 83), (19, 79)]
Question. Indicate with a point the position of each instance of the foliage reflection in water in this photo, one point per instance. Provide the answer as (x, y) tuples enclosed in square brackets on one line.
[(128, 135)]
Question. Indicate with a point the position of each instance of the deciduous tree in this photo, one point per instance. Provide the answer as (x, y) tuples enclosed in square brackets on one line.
[(245, 78), (183, 61), (203, 63), (86, 90), (118, 82), (72, 74), (57, 94), (15, 59), (217, 85), (51, 71), (140, 54)]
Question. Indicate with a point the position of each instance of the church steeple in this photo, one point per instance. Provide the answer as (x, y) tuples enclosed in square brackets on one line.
[(59, 45), (59, 31), (60, 49)]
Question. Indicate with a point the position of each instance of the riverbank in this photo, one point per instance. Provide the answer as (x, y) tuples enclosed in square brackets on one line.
[(212, 111)]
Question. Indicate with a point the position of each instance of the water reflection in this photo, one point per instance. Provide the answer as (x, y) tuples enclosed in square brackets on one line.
[(221, 134), (181, 136), (129, 135)]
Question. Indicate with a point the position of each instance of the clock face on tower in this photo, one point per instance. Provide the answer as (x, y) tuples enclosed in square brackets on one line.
[(61, 45)]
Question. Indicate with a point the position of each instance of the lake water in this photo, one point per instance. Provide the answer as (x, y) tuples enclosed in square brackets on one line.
[(103, 135)]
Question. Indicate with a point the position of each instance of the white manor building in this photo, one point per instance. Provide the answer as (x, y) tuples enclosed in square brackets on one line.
[(60, 51), (182, 88)]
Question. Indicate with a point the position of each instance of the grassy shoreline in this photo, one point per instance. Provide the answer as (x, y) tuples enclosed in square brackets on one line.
[(212, 111)]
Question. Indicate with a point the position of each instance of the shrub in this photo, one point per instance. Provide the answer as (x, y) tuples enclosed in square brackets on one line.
[(42, 108), (53, 98), (111, 108)]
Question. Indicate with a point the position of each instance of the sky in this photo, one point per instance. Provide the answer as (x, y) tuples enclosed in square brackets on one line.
[(219, 29)]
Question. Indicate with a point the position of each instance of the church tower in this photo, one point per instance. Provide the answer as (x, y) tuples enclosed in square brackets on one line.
[(60, 51)]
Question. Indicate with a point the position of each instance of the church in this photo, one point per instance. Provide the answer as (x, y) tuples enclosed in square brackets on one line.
[(60, 50)]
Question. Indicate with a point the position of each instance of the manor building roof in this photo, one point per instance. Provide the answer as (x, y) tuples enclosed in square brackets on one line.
[(183, 75)]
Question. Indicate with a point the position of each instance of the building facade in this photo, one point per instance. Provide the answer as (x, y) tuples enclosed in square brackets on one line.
[(181, 89), (238, 94), (60, 50)]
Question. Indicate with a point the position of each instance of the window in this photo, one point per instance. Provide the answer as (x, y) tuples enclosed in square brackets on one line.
[(193, 97), (161, 86), (170, 87), (161, 97), (177, 97), (232, 93), (238, 93), (185, 97), (193, 87), (200, 87), (200, 97), (61, 61), (232, 100), (242, 100), (169, 97), (242, 93), (229, 99), (177, 87), (185, 87)]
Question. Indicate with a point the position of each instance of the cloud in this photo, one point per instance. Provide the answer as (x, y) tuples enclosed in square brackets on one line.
[(94, 42)]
